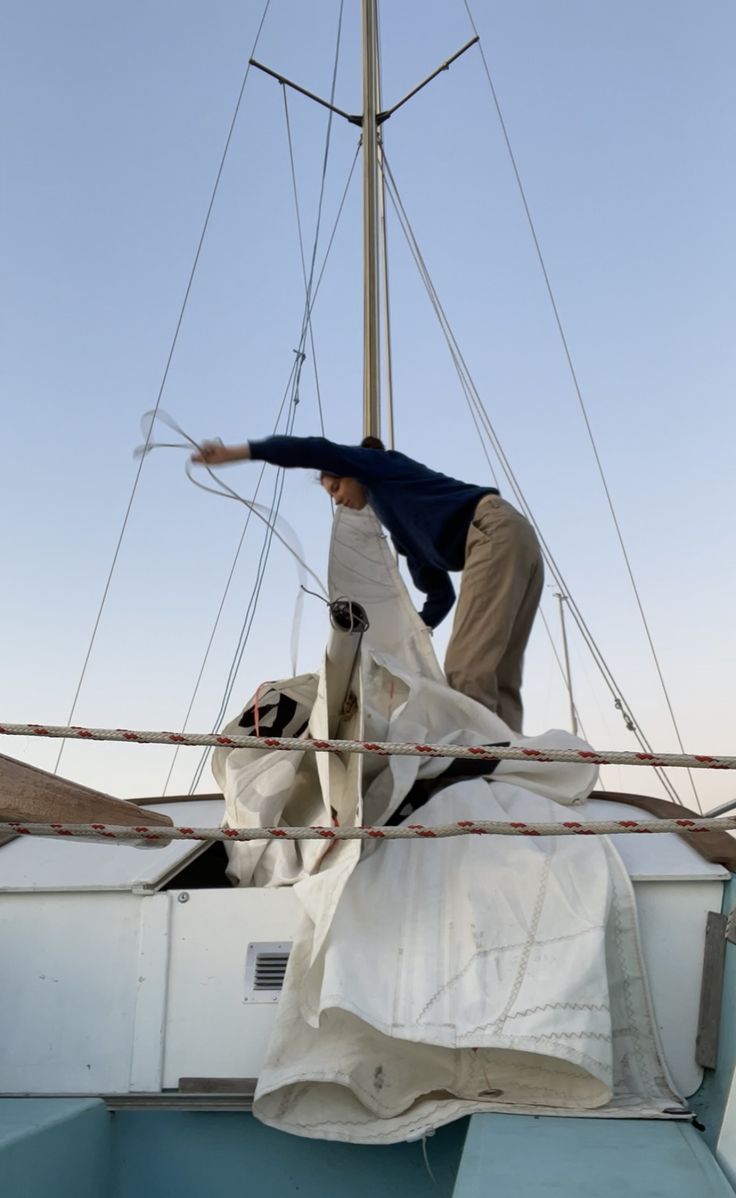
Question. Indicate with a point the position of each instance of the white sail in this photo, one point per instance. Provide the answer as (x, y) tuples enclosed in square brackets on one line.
[(429, 980)]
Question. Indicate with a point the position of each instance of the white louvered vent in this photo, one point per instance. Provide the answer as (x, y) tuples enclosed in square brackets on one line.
[(265, 967)]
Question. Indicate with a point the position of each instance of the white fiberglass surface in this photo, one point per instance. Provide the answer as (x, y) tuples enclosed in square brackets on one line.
[(37, 863)]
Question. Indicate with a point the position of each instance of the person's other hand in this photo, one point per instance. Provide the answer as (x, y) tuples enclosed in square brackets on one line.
[(213, 453)]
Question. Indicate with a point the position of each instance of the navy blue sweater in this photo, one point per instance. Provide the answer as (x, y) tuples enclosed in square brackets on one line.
[(427, 514)]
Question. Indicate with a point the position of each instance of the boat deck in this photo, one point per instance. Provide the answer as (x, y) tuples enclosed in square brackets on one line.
[(529, 1156), (58, 1147)]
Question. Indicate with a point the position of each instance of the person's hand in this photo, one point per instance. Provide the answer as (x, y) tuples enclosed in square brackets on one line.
[(214, 453)]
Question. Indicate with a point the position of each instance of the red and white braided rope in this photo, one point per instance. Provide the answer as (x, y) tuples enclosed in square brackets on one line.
[(463, 827), (380, 748)]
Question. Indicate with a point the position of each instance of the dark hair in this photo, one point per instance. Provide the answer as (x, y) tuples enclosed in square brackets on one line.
[(366, 443)]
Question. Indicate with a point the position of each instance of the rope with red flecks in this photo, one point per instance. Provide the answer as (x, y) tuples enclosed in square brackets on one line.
[(463, 827), (381, 748)]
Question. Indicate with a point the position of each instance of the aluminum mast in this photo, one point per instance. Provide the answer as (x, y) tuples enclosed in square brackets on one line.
[(371, 327)]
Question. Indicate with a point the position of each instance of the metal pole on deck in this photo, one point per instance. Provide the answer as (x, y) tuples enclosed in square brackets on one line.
[(371, 326), (568, 676), (387, 357)]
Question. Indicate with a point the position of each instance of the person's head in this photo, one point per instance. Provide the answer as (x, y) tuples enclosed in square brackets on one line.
[(348, 492)]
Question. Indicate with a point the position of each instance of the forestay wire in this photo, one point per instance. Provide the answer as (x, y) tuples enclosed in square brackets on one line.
[(228, 583), (579, 395), (287, 392), (252, 606), (276, 526), (477, 407)]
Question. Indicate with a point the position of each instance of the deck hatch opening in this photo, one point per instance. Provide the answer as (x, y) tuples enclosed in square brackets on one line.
[(265, 969)]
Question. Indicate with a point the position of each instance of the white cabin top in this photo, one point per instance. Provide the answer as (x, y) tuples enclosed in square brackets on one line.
[(40, 864)]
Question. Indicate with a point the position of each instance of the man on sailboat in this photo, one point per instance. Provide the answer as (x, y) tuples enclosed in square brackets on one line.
[(440, 525)]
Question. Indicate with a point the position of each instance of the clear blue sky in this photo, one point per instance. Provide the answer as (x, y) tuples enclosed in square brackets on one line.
[(115, 116)]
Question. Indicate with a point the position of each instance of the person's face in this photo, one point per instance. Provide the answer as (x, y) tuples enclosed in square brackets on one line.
[(346, 492)]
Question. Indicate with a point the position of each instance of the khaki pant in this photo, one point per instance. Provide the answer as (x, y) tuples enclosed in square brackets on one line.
[(499, 595)]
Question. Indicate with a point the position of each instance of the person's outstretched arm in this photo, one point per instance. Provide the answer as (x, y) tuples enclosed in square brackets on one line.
[(311, 453), (214, 453)]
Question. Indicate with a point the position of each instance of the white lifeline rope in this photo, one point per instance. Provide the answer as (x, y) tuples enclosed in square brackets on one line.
[(379, 748), (287, 536), (143, 832)]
